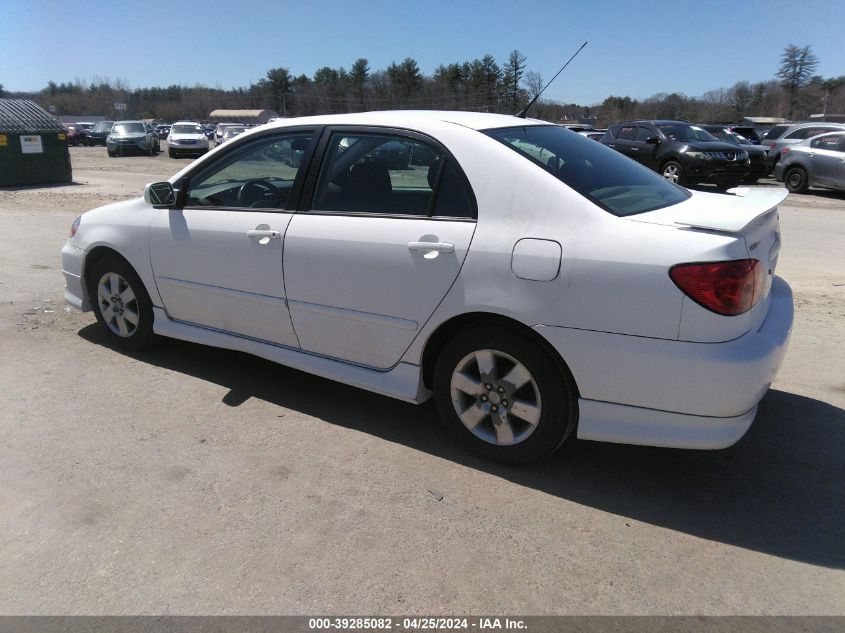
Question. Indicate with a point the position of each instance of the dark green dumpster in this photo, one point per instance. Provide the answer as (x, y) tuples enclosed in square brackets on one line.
[(33, 145)]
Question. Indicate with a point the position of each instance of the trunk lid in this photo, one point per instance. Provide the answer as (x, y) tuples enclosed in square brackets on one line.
[(749, 215)]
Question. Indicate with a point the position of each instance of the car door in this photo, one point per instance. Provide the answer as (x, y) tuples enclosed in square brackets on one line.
[(825, 159), (624, 142), (647, 152), (218, 258), (376, 246)]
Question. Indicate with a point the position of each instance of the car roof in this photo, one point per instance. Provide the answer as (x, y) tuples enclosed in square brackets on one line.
[(656, 122), (402, 118), (185, 123)]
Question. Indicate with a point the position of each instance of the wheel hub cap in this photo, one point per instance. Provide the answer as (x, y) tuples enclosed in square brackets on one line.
[(496, 397)]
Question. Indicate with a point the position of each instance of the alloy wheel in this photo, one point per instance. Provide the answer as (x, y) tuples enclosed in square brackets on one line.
[(118, 304)]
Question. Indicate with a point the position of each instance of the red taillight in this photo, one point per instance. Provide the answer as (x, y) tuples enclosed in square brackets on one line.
[(784, 151), (728, 288)]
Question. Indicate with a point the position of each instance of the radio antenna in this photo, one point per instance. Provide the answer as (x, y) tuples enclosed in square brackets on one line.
[(521, 114)]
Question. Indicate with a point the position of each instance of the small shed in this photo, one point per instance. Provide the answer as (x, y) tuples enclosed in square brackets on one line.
[(242, 116), (33, 145)]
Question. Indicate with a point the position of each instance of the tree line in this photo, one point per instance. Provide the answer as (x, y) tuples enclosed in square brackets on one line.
[(481, 84)]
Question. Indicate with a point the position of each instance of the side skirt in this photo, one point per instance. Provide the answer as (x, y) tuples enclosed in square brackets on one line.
[(403, 382)]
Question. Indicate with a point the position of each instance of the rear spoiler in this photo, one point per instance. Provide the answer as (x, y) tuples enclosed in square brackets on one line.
[(735, 212)]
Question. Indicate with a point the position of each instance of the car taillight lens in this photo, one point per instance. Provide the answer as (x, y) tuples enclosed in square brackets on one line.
[(727, 288), (784, 151), (75, 226)]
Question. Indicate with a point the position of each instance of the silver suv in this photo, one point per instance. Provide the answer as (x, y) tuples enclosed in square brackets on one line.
[(131, 137)]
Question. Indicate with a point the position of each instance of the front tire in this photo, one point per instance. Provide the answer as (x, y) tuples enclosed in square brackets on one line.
[(796, 180), (121, 303), (673, 171), (504, 396)]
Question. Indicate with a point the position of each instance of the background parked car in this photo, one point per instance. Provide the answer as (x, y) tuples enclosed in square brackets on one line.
[(162, 131), (186, 137), (681, 152), (793, 134), (756, 155), (131, 137), (76, 132), (218, 131), (815, 162), (231, 131), (97, 134)]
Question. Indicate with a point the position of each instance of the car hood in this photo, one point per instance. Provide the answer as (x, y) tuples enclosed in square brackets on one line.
[(713, 146), (130, 137)]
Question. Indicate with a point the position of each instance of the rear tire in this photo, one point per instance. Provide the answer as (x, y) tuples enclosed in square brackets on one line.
[(121, 303), (796, 180), (504, 396), (111, 154)]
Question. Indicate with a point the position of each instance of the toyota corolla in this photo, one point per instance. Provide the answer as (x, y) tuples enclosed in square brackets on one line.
[(537, 284)]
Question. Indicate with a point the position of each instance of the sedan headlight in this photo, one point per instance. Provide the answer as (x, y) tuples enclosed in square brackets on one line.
[(698, 155)]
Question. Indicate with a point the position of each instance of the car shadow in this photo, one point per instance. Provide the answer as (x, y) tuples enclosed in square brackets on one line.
[(778, 491)]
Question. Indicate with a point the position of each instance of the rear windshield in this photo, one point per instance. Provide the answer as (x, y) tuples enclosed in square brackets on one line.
[(776, 132), (614, 182)]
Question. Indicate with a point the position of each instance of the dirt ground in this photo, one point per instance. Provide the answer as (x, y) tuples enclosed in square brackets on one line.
[(188, 480)]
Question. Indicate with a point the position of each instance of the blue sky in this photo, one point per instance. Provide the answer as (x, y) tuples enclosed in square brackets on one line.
[(636, 48)]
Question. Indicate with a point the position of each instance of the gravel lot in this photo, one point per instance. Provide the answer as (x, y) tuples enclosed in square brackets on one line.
[(187, 480)]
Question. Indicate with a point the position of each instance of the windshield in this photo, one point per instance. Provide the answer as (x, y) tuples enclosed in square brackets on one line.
[(725, 135), (233, 131), (103, 126), (681, 132), (129, 128), (609, 179), (186, 129)]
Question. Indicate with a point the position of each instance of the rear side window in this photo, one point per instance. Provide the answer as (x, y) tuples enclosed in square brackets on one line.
[(628, 133), (831, 142), (605, 177), (390, 175)]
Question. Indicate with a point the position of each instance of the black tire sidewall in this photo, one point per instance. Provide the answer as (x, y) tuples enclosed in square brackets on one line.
[(557, 394), (786, 177), (143, 335)]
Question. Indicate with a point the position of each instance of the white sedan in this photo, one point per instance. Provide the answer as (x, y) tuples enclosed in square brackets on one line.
[(536, 283)]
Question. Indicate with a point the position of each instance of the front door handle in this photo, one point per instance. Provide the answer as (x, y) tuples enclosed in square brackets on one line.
[(269, 233), (440, 247)]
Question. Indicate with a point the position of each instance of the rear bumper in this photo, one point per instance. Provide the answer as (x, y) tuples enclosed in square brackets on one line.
[(659, 392)]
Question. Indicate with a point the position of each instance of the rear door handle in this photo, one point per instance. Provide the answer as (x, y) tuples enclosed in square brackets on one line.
[(273, 235), (440, 247)]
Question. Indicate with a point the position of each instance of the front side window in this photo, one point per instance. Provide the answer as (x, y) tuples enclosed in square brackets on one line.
[(391, 175), (605, 177), (644, 133), (259, 175)]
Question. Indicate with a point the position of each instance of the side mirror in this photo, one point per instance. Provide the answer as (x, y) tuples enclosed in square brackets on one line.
[(653, 140), (160, 195)]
